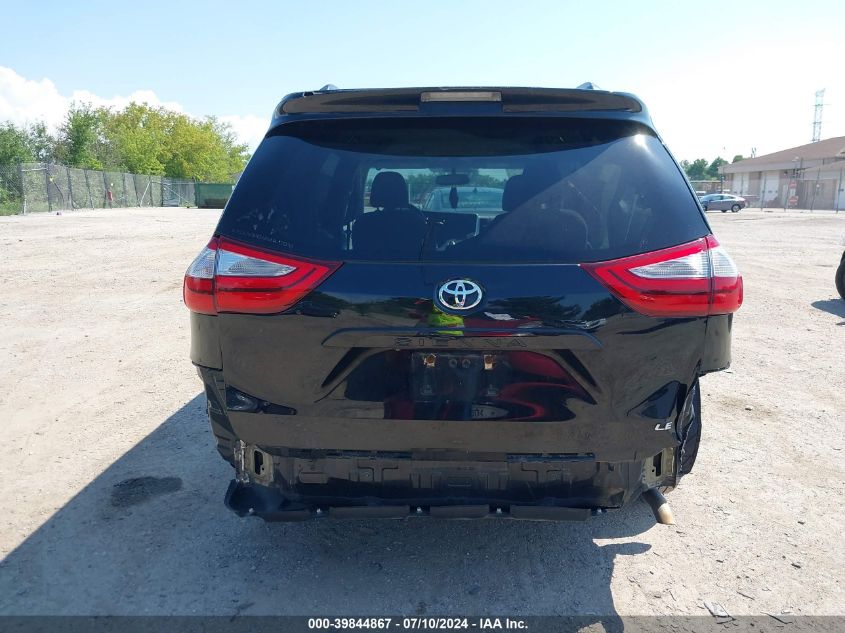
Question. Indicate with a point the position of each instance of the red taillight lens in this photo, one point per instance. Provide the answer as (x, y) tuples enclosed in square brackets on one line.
[(247, 280), (257, 282), (694, 279), (198, 290)]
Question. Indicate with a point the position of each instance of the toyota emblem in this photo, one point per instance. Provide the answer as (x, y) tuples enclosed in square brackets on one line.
[(459, 294)]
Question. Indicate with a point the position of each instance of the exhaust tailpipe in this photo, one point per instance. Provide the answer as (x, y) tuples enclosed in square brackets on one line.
[(659, 506)]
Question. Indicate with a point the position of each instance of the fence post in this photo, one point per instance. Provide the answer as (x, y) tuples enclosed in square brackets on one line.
[(23, 186), (88, 188), (815, 191), (151, 192), (47, 186), (135, 186), (106, 187), (69, 188)]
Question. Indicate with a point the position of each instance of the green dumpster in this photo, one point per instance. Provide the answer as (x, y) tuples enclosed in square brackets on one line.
[(213, 195)]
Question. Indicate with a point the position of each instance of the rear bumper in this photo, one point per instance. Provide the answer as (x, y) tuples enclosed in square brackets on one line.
[(349, 485), (269, 504), (292, 467)]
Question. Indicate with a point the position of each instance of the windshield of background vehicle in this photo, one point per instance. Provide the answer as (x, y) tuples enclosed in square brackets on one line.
[(462, 189)]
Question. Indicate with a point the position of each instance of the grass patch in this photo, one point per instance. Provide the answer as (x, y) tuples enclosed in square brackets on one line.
[(10, 208)]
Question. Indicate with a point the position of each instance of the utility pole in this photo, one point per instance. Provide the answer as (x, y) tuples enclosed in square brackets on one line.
[(817, 118)]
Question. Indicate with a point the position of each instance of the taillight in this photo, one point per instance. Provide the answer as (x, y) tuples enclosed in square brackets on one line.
[(694, 279), (232, 277), (198, 290)]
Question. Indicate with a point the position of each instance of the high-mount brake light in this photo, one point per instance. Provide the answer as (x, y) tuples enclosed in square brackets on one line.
[(694, 279), (460, 96), (231, 277)]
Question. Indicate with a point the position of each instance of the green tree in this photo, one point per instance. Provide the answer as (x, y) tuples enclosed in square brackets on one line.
[(713, 168), (139, 136), (205, 150), (81, 139), (696, 170), (42, 144), (14, 145), (737, 158)]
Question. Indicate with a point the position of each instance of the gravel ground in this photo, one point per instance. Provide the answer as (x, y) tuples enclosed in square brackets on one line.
[(113, 492)]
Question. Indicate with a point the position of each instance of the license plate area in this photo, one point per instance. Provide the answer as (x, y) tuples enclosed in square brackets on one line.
[(455, 377)]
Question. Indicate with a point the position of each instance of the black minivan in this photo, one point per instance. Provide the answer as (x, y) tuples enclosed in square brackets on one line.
[(532, 352)]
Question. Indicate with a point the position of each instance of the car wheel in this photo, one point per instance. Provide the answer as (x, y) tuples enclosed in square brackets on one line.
[(840, 279), (735, 208), (704, 207), (724, 210)]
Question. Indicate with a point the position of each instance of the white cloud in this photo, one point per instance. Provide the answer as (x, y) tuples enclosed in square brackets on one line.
[(24, 101), (250, 129)]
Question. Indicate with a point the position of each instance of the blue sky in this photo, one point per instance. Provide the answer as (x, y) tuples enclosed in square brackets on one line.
[(740, 75)]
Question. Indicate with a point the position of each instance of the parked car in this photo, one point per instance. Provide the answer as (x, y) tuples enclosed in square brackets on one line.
[(840, 277), (544, 364), (723, 202), (466, 199)]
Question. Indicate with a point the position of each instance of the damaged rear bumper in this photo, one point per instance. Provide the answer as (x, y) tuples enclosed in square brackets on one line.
[(291, 467), (270, 505), (306, 485)]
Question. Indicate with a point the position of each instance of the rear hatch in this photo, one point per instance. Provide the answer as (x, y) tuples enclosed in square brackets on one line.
[(569, 317)]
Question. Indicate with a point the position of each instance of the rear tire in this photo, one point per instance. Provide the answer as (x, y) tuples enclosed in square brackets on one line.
[(735, 208), (840, 279)]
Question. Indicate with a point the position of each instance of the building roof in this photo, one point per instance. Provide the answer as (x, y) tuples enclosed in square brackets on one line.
[(828, 149), (828, 168)]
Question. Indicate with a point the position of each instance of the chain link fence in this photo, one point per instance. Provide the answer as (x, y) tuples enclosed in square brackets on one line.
[(31, 187)]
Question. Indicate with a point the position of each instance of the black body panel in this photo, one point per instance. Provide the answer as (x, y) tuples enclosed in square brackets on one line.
[(612, 388), (205, 341)]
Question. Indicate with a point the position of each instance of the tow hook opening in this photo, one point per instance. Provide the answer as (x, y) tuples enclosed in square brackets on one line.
[(252, 464), (260, 464)]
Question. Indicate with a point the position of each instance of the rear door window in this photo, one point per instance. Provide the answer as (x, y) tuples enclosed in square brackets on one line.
[(480, 189)]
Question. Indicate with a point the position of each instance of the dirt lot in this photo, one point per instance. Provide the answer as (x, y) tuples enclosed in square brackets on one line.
[(98, 394)]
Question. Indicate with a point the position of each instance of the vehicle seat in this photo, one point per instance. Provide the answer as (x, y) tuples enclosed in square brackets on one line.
[(396, 228), (529, 227), (516, 193), (537, 230)]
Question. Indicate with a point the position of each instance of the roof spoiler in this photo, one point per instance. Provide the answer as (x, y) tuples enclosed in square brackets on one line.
[(329, 99)]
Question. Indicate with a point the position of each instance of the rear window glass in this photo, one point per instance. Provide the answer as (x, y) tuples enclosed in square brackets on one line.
[(481, 189)]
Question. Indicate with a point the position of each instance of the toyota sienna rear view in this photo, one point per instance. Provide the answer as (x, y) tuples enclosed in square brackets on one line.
[(458, 303)]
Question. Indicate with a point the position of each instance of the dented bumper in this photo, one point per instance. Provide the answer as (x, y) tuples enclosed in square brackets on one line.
[(290, 467), (352, 485)]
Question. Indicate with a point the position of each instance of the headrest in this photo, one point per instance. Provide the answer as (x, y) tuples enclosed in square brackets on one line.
[(542, 173), (536, 182), (543, 231), (389, 191), (516, 193)]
